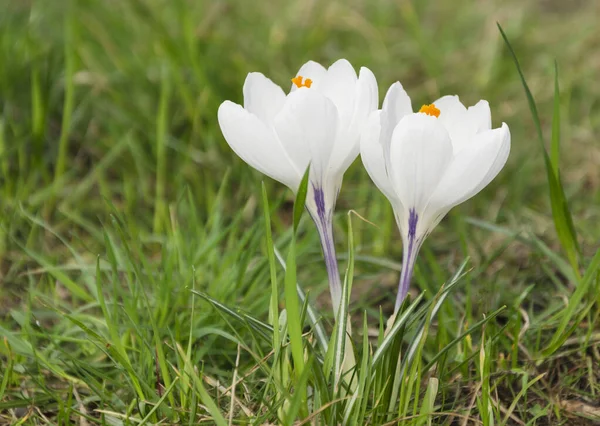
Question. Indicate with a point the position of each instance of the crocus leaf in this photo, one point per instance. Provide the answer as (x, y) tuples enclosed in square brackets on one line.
[(300, 198), (563, 222)]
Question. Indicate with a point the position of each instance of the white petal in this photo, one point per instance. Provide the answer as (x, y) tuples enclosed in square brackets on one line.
[(262, 97), (453, 116), (396, 105), (313, 70), (367, 95), (420, 153), (307, 128), (480, 116), (256, 144), (373, 157), (339, 85), (450, 107), (347, 145), (472, 169)]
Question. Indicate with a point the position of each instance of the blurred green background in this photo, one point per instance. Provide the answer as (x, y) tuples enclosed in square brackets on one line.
[(109, 138), (129, 91)]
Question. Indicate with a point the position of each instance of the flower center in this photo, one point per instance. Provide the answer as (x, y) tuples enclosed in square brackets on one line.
[(430, 110), (298, 81)]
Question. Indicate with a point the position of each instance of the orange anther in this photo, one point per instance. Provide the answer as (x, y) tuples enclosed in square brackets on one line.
[(298, 81), (430, 110)]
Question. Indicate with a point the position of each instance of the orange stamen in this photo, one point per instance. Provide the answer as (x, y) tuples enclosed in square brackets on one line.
[(298, 81), (430, 110)]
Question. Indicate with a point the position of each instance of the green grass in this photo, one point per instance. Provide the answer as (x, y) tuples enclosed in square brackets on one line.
[(139, 255)]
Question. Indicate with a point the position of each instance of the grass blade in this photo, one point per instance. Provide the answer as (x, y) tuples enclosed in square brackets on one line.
[(561, 333), (69, 102), (205, 397), (563, 221), (341, 337), (274, 301), (398, 324), (300, 199), (313, 317), (555, 145)]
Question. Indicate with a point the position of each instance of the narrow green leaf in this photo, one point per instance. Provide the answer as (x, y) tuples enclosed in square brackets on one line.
[(38, 115), (520, 395), (298, 401), (313, 316), (458, 339), (159, 402), (301, 198), (389, 337), (293, 311), (69, 91), (160, 204), (570, 312), (428, 404), (555, 146), (563, 221), (352, 413), (342, 318), (205, 397), (8, 369), (530, 100), (274, 301), (263, 329)]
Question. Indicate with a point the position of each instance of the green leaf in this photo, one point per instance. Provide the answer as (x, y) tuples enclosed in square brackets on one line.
[(294, 317), (428, 404), (313, 316), (458, 339), (520, 395), (301, 198), (570, 312), (299, 400), (362, 391), (274, 301), (398, 324), (563, 221), (263, 329), (210, 404), (70, 55), (555, 145), (159, 402), (341, 323)]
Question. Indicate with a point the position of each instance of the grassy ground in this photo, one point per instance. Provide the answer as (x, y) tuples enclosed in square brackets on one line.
[(119, 196)]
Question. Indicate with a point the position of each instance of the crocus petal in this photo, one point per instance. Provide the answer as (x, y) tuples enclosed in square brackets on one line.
[(471, 170), (312, 70), (339, 85), (453, 116), (420, 153), (256, 144), (367, 99), (262, 97), (396, 105), (373, 157), (479, 116), (451, 108), (307, 128), (347, 146), (491, 137)]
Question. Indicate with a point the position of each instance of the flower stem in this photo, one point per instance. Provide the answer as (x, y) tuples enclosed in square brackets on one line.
[(408, 263), (409, 256), (323, 218), (325, 228)]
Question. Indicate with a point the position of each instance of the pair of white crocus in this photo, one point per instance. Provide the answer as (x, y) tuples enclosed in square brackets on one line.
[(425, 162)]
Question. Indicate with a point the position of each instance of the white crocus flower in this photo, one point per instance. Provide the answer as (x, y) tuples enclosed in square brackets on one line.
[(428, 162), (318, 123)]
